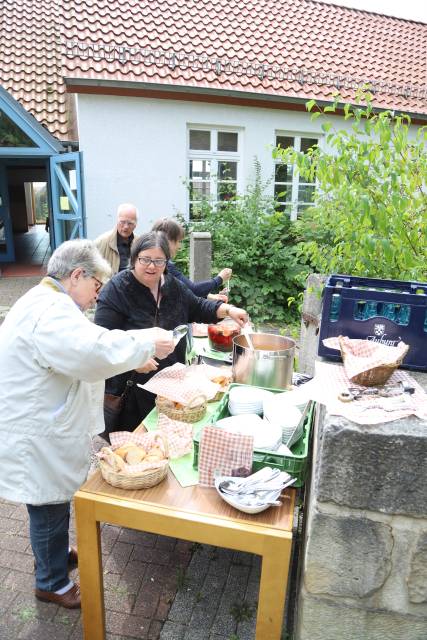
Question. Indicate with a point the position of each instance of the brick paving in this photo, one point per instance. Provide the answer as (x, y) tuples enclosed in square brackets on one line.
[(156, 588)]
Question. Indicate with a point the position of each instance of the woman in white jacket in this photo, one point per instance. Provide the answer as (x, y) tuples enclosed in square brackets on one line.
[(53, 363)]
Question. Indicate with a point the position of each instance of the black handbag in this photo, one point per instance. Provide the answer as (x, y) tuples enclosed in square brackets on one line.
[(113, 406)]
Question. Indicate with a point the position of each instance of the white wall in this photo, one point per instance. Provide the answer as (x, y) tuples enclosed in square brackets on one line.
[(134, 150)]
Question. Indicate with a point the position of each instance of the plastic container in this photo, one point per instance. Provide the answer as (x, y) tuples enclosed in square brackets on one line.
[(296, 466), (384, 311)]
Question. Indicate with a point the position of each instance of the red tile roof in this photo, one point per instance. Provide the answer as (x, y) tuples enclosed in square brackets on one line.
[(30, 60), (279, 49)]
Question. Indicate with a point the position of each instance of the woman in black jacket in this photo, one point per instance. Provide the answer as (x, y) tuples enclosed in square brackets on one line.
[(147, 296), (175, 234)]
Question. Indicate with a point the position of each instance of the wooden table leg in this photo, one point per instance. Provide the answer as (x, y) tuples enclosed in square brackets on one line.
[(90, 570), (272, 588)]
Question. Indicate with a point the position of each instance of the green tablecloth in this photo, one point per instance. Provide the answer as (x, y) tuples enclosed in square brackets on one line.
[(201, 348), (182, 468)]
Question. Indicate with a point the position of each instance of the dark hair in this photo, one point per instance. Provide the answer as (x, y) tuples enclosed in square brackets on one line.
[(173, 230), (148, 241)]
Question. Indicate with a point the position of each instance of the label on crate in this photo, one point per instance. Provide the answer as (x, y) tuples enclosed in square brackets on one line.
[(380, 332)]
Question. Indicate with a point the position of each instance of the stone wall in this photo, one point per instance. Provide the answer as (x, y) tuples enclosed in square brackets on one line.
[(365, 558)]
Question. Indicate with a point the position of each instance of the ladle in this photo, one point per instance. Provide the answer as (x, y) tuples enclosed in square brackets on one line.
[(179, 332), (247, 333)]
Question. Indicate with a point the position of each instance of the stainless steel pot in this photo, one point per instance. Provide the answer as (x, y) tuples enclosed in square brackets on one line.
[(269, 364)]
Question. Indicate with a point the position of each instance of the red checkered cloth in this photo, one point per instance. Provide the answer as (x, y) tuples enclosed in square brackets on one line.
[(181, 384), (224, 453), (331, 380), (179, 435), (145, 440), (364, 355)]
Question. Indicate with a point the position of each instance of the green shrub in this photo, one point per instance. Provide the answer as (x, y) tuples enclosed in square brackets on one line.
[(370, 213), (255, 239)]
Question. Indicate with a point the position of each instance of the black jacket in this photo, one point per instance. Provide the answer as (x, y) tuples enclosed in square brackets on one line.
[(124, 303), (201, 288)]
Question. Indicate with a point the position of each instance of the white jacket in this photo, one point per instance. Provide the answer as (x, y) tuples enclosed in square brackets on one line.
[(53, 363)]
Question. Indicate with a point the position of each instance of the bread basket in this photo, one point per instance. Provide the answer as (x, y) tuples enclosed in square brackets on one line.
[(377, 375), (142, 479), (191, 412)]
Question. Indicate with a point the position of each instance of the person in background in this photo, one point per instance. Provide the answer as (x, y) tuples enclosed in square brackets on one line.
[(147, 295), (115, 245), (175, 234), (53, 363)]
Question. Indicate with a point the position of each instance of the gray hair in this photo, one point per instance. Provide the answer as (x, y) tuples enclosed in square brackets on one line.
[(148, 241), (75, 254)]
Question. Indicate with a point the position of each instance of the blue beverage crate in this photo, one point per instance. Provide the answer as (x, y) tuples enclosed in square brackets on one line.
[(385, 311)]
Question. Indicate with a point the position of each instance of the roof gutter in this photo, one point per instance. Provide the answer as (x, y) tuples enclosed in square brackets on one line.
[(203, 94)]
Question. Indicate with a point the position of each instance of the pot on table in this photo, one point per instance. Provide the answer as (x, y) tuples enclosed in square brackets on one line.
[(270, 363)]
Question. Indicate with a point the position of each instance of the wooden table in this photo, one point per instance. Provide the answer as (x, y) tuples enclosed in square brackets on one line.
[(196, 514)]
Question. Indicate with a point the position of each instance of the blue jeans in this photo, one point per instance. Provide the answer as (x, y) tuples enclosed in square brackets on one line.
[(49, 540)]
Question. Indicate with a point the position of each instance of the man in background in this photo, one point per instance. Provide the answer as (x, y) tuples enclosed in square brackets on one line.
[(114, 245)]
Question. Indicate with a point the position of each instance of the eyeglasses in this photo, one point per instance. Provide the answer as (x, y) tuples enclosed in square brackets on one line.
[(99, 284), (127, 223), (158, 262)]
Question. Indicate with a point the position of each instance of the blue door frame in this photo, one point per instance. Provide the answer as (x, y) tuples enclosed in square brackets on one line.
[(67, 201), (7, 247), (64, 178)]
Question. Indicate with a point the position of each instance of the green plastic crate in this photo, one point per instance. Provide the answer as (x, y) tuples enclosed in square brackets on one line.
[(296, 465)]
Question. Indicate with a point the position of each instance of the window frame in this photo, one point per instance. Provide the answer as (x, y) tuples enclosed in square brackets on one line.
[(296, 182), (214, 156)]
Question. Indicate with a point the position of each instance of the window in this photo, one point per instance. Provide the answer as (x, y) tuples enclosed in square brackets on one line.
[(213, 167), (292, 193), (11, 135)]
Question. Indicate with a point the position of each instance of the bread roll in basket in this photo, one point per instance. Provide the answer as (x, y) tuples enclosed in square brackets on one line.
[(134, 466)]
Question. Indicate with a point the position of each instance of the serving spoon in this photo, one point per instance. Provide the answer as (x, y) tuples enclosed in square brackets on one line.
[(179, 332), (246, 330)]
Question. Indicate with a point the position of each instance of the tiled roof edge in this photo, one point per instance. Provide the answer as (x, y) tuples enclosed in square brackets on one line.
[(240, 68), (124, 87), (371, 13)]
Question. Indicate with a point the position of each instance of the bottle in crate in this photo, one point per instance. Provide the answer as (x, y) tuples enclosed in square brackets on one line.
[(371, 309), (335, 307)]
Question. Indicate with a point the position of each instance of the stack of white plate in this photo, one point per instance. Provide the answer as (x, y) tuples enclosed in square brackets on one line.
[(278, 411), (247, 400), (266, 435)]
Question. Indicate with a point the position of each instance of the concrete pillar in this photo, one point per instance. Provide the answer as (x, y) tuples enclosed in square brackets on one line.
[(310, 323), (200, 255)]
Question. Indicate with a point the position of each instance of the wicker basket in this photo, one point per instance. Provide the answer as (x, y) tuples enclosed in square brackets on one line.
[(192, 412), (376, 376), (144, 480)]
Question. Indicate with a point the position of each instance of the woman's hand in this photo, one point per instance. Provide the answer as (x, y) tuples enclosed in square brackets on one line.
[(225, 274), (163, 341), (150, 365), (238, 315), (218, 296)]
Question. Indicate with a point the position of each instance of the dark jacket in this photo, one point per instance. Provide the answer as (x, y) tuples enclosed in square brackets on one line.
[(201, 288), (124, 303)]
